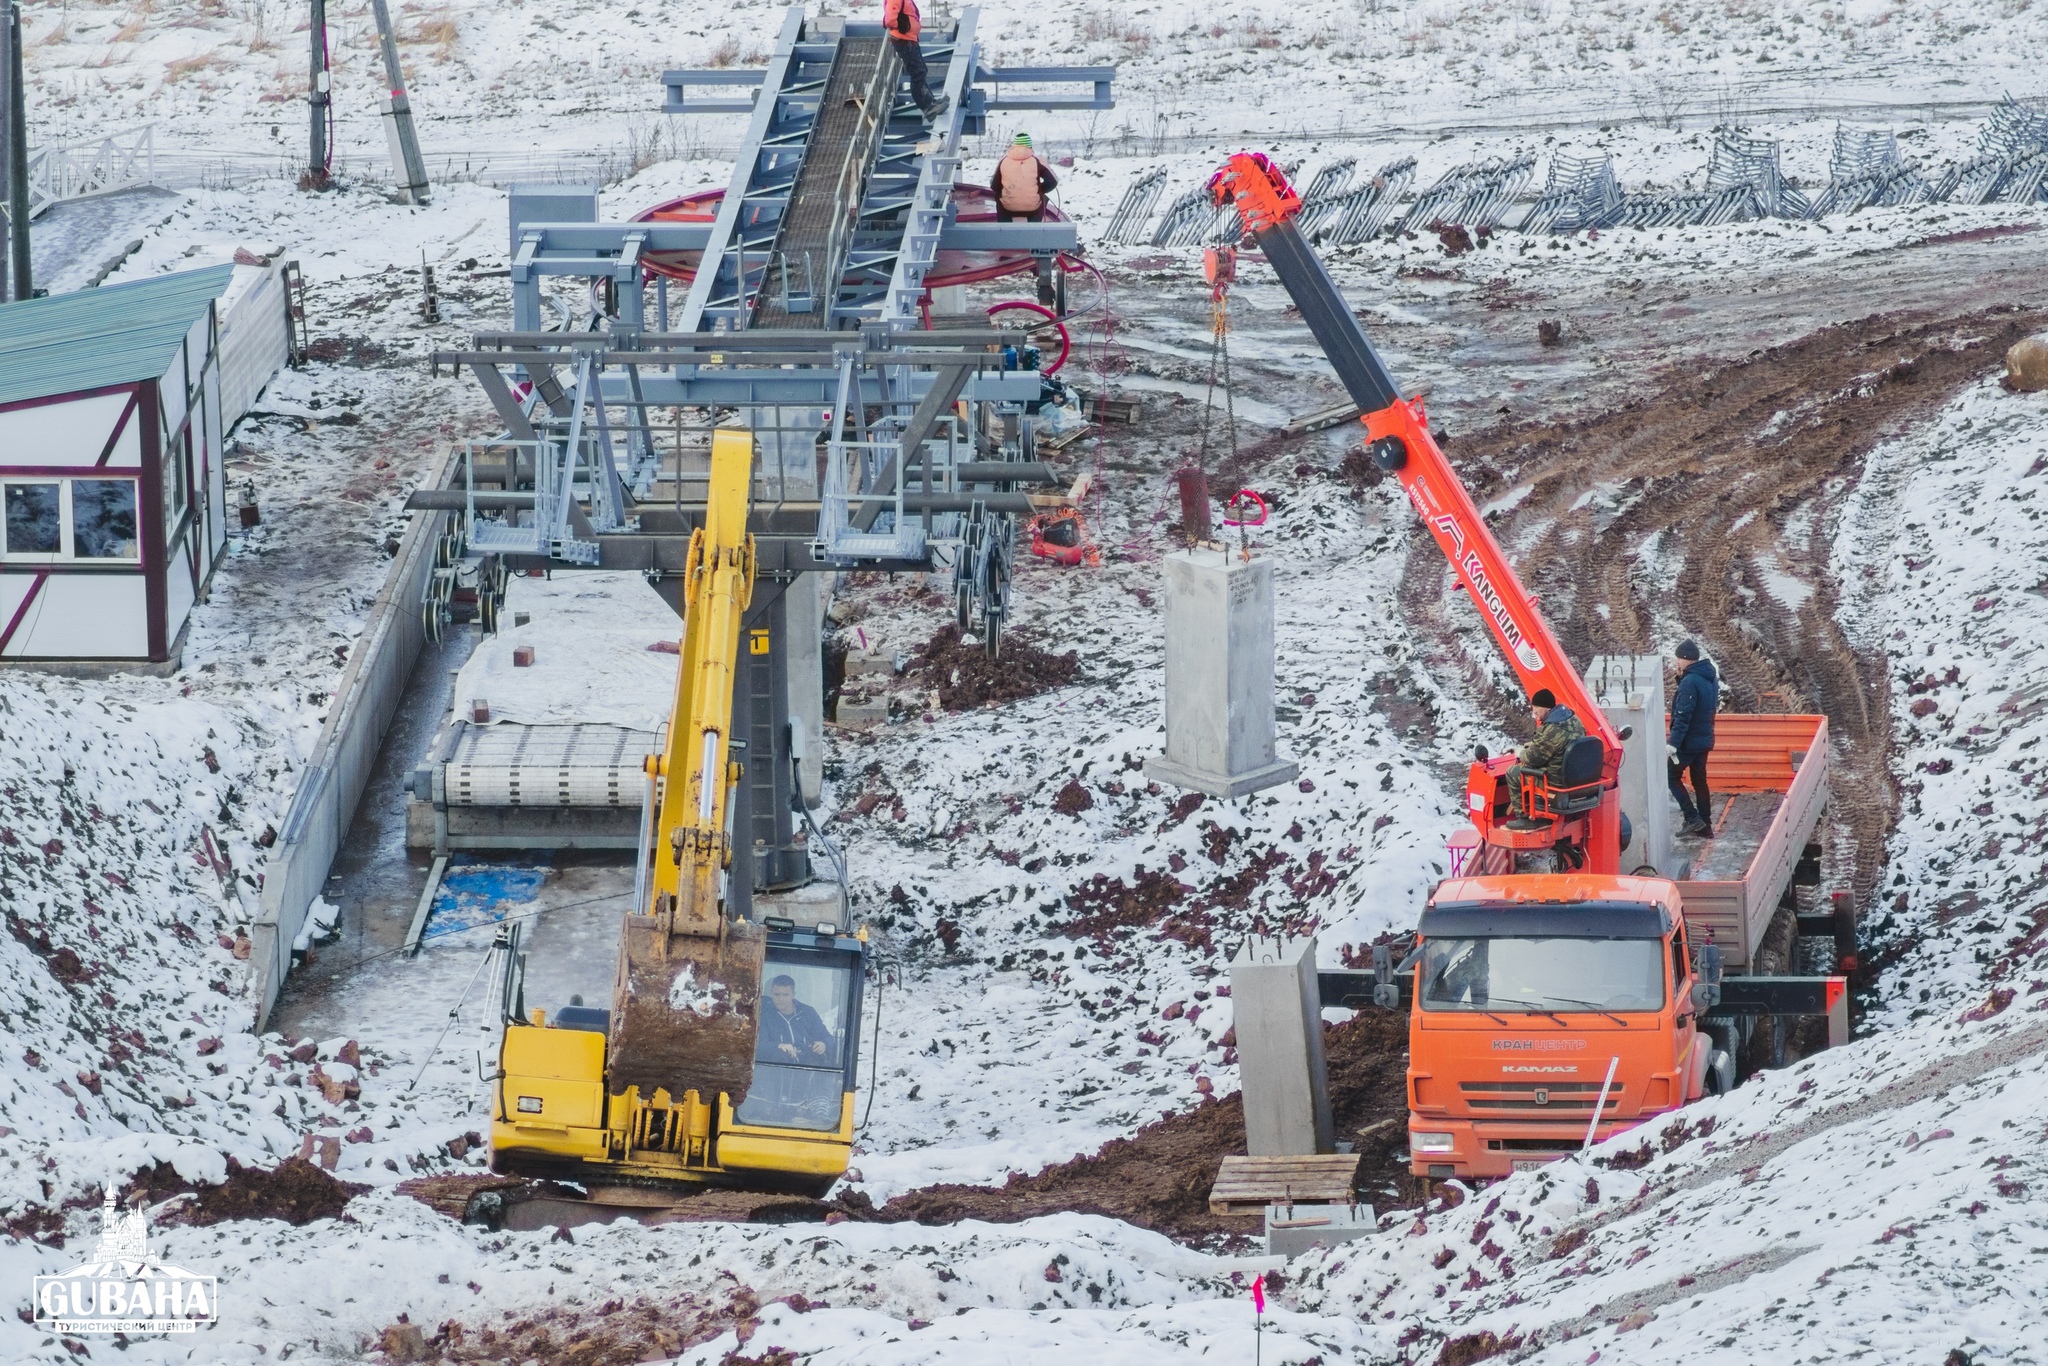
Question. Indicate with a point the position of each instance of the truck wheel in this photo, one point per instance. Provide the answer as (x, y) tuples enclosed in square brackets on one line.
[(1773, 958), (1720, 1073)]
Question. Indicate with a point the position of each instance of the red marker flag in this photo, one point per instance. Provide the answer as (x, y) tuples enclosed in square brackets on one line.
[(1259, 1295)]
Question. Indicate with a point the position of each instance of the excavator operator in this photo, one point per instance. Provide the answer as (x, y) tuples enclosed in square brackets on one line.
[(1556, 728), (792, 1031)]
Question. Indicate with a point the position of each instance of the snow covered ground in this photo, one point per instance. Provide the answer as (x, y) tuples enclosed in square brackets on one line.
[(1880, 1202)]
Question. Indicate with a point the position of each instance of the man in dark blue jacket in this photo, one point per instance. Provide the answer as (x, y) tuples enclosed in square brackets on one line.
[(1692, 735)]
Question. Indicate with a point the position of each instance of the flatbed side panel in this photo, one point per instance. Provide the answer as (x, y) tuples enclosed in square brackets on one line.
[(1714, 914), (1753, 753), (1770, 871)]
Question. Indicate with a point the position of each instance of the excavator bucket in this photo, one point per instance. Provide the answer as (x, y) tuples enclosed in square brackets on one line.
[(685, 1012)]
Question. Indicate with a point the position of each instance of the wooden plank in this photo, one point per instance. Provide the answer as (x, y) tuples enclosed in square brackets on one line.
[(1246, 1185), (1320, 419)]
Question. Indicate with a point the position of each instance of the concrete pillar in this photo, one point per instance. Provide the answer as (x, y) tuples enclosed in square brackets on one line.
[(804, 616), (1277, 1011), (1630, 690), (1219, 676)]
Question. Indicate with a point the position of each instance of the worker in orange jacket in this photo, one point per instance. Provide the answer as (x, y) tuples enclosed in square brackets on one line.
[(900, 18), (1021, 183)]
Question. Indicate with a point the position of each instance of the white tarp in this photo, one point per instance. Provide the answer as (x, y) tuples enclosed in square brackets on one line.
[(601, 644)]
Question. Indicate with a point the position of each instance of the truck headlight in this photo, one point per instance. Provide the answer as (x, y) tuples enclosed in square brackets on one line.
[(1431, 1143)]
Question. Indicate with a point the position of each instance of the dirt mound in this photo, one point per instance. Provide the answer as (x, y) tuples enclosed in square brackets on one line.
[(1159, 1178), (295, 1191), (615, 1331), (966, 677)]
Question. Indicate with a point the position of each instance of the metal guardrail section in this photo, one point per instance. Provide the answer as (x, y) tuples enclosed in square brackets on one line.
[(116, 162)]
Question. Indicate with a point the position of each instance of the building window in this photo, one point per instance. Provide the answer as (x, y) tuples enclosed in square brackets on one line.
[(103, 519), (33, 524), (70, 519)]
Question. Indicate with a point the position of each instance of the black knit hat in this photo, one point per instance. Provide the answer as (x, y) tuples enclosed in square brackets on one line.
[(1687, 650), (1543, 698)]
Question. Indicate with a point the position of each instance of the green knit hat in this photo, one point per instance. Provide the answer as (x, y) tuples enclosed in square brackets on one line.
[(1023, 140)]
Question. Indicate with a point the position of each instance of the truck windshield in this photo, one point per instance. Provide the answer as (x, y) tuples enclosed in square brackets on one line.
[(809, 1019), (1535, 975)]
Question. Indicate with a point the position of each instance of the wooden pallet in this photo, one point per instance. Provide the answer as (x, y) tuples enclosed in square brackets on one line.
[(1246, 1185)]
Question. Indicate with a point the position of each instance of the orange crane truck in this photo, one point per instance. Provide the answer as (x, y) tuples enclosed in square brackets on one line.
[(1554, 999)]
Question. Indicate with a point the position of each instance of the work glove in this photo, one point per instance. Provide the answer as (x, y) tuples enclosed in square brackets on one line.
[(1672, 751)]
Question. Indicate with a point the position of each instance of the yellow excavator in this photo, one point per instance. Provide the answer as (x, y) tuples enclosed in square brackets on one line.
[(730, 1051)]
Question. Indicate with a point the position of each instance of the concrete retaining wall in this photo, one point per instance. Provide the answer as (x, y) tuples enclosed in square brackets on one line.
[(334, 778)]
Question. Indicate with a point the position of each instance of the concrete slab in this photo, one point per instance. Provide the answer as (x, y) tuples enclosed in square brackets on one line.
[(1294, 1229), (1630, 690)]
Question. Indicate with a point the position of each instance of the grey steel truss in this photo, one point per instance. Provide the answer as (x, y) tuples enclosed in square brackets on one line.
[(1476, 195), (1579, 194), (1739, 162), (1126, 227), (1365, 210)]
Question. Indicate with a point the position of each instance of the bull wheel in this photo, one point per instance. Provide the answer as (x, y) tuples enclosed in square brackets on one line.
[(963, 607), (992, 634)]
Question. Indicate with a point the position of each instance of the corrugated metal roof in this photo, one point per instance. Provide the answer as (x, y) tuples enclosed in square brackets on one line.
[(95, 337)]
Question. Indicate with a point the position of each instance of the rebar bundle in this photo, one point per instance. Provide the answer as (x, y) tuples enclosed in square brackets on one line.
[(1126, 226), (1322, 200)]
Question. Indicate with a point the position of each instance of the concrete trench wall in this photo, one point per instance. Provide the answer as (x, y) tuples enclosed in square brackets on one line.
[(333, 780)]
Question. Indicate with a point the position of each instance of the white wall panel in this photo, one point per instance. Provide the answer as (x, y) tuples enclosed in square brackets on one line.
[(79, 616), (71, 433)]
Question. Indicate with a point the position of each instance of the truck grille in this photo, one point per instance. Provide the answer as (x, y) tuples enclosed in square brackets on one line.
[(1557, 1097)]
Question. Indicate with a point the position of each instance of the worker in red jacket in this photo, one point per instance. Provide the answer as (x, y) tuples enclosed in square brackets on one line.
[(1021, 183), (900, 18)]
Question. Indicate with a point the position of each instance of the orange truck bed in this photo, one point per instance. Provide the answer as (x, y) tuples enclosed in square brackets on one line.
[(1769, 778)]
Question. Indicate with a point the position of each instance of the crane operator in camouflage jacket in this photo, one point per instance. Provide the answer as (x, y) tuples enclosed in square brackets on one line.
[(1556, 728)]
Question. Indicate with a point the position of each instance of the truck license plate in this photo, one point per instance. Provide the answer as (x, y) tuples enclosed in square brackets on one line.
[(1530, 1164)]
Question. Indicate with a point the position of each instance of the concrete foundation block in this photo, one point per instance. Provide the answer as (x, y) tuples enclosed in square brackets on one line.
[(862, 713), (1219, 677), (1630, 690), (1276, 1008), (1294, 1229)]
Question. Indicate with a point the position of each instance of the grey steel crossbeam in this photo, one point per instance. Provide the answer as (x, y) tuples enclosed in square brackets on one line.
[(1097, 77), (958, 236), (676, 84)]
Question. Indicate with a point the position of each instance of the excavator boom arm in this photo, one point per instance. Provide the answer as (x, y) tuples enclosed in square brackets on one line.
[(1402, 445)]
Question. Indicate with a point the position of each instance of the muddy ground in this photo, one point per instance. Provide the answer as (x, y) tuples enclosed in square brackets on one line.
[(1730, 475)]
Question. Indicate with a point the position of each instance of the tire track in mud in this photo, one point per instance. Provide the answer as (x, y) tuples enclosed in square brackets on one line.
[(1703, 508)]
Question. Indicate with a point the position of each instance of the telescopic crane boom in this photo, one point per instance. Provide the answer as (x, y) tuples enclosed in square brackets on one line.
[(1400, 443)]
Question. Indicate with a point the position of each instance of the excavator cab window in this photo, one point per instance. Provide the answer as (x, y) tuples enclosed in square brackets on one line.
[(1678, 961), (808, 1042)]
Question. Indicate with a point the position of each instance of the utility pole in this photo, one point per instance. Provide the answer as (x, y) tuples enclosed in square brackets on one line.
[(16, 120), (319, 100), (405, 146)]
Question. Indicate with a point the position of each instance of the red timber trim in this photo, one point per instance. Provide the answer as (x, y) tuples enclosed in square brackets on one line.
[(150, 522), (74, 396), (127, 413)]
